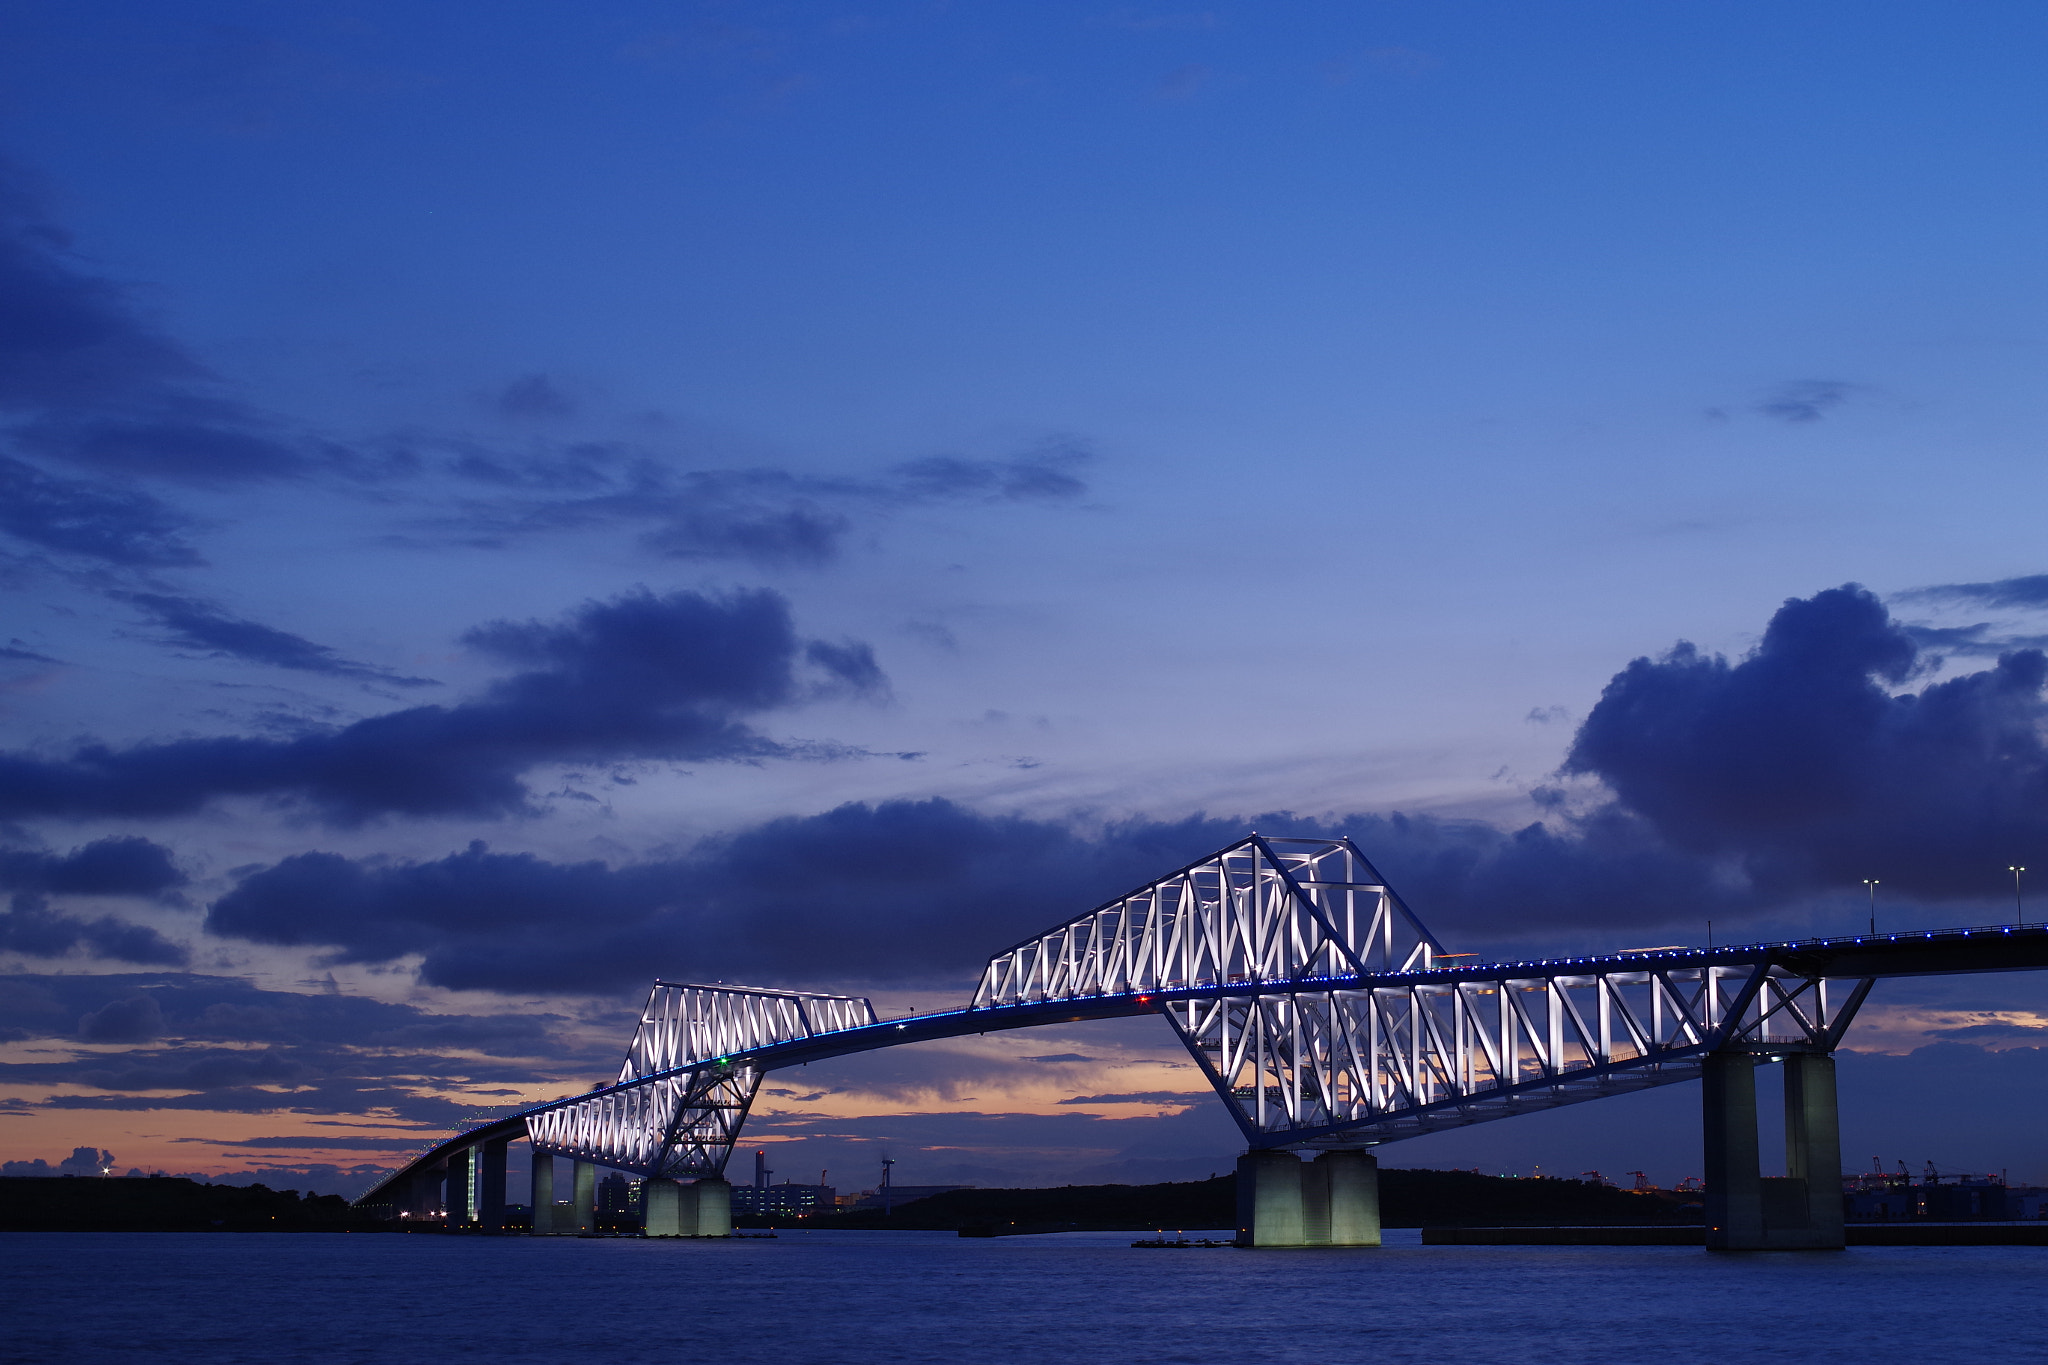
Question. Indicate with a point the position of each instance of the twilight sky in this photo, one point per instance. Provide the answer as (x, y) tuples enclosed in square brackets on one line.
[(499, 502)]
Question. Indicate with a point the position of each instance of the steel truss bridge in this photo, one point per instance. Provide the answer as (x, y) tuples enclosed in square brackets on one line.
[(1319, 1008)]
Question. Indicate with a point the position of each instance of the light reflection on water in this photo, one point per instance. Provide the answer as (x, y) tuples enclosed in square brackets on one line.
[(808, 1299)]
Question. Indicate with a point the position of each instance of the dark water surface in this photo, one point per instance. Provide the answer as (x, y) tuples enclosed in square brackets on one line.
[(819, 1298)]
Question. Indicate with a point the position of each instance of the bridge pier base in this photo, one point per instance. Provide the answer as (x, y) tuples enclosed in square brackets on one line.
[(713, 1199), (1269, 1203), (661, 1208), (1285, 1202), (584, 1185), (1350, 1182), (1800, 1211)]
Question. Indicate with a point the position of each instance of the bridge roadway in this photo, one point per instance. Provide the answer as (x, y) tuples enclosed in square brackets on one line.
[(1861, 958)]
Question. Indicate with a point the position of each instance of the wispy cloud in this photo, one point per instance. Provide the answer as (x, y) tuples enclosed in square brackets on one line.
[(92, 520), (2028, 590), (1805, 400), (762, 514), (197, 624)]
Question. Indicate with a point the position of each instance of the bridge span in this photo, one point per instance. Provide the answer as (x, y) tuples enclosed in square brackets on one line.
[(1325, 1016)]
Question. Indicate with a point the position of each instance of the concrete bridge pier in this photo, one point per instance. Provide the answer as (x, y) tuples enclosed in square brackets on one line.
[(542, 1196), (1747, 1211), (416, 1195), (584, 1184), (712, 1197), (702, 1208), (490, 1201), (662, 1208), (1352, 1181), (455, 1198), (1331, 1201), (1813, 1144), (1269, 1202)]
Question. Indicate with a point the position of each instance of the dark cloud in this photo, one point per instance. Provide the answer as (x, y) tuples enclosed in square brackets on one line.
[(903, 890), (92, 520), (177, 437), (1805, 400), (82, 1161), (137, 1019), (639, 677), (1043, 475), (86, 378), (534, 396), (232, 1013), (1144, 1097), (190, 1047), (801, 533), (121, 866), (30, 927), (354, 1096), (1989, 1032), (906, 891), (1801, 763), (67, 337), (2029, 590), (316, 1142), (196, 624)]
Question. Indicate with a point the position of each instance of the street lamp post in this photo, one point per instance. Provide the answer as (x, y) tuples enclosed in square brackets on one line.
[(1871, 882), (2019, 912)]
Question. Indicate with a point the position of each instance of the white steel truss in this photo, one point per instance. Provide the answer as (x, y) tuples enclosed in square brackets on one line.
[(683, 1025), (1264, 909), (1339, 1067), (680, 1101)]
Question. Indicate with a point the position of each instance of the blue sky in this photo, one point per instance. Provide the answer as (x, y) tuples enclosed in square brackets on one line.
[(694, 449)]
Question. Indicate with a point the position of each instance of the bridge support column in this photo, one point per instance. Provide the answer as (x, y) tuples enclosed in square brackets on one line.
[(405, 1195), (584, 1183), (455, 1199), (490, 1201), (1735, 1214), (662, 1208), (714, 1206), (1351, 1182), (1800, 1211), (423, 1199), (542, 1194), (431, 1192), (1269, 1200), (1813, 1145)]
